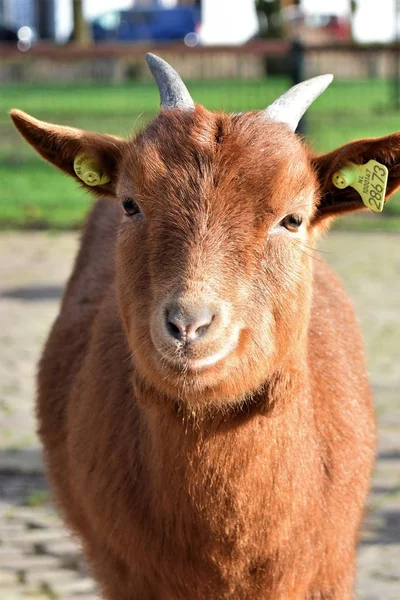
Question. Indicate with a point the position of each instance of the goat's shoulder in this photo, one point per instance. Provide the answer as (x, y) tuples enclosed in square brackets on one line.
[(335, 346), (89, 287), (331, 305), (94, 265), (334, 331), (91, 281)]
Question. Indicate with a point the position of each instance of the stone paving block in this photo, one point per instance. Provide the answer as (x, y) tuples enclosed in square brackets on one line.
[(18, 593), (82, 586), (7, 578), (9, 551), (68, 552), (63, 548), (378, 574), (28, 537), (10, 527), (373, 590), (51, 576), (23, 564), (34, 518), (82, 597)]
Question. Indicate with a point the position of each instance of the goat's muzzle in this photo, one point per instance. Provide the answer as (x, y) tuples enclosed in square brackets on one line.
[(188, 325), (193, 335)]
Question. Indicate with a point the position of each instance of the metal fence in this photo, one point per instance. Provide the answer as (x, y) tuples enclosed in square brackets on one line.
[(236, 78), (109, 87)]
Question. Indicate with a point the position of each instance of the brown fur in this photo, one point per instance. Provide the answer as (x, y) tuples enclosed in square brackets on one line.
[(245, 480)]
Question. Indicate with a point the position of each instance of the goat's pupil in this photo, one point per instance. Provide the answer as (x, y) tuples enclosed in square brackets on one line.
[(130, 206), (292, 222), (295, 220)]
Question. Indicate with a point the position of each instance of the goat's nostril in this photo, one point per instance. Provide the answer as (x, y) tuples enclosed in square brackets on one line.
[(186, 326), (175, 330), (198, 328)]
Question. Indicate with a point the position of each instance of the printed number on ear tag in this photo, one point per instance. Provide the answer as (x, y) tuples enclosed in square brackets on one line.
[(370, 181)]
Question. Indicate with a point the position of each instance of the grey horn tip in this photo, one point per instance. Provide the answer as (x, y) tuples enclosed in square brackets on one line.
[(173, 92), (291, 106), (324, 80), (153, 60)]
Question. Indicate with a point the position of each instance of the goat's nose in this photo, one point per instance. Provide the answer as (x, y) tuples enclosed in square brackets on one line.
[(188, 325)]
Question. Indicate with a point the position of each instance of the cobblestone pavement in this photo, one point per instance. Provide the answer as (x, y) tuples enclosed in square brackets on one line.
[(38, 559)]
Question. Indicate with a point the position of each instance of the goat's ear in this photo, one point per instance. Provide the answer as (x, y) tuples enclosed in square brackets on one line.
[(62, 145), (334, 201)]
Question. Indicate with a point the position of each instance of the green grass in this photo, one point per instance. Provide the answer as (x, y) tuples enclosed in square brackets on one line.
[(33, 194)]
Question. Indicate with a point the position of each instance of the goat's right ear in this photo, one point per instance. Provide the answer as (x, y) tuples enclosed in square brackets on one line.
[(336, 199), (62, 145)]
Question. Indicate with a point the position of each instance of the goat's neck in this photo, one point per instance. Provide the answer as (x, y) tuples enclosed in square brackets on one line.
[(224, 458)]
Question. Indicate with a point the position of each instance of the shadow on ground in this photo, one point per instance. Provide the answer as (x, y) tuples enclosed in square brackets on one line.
[(34, 293)]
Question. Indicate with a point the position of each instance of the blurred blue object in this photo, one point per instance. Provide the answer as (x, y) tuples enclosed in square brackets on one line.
[(151, 24)]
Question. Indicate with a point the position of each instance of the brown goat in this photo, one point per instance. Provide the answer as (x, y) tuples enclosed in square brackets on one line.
[(203, 398)]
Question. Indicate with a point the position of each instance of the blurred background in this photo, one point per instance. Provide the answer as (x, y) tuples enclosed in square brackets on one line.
[(81, 63)]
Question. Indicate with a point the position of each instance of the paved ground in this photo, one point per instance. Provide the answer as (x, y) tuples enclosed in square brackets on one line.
[(37, 558)]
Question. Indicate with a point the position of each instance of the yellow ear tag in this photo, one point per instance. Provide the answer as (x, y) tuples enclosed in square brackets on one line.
[(87, 169), (370, 181)]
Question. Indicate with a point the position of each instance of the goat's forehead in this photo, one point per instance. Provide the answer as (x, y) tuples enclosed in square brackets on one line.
[(203, 131), (198, 148)]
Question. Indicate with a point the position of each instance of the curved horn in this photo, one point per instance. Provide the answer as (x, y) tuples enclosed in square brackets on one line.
[(291, 106), (173, 92)]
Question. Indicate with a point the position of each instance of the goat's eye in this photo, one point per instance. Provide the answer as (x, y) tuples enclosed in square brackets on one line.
[(291, 222), (130, 207)]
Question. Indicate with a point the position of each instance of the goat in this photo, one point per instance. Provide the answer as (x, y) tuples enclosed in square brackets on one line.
[(203, 400)]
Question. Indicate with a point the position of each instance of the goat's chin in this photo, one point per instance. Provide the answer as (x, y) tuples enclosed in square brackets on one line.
[(217, 379)]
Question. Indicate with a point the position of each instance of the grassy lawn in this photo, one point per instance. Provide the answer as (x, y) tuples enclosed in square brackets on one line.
[(35, 194)]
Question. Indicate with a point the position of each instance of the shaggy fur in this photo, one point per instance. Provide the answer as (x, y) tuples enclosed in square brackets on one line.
[(244, 480)]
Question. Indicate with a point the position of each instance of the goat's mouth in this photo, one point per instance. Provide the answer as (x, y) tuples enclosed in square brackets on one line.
[(187, 360), (196, 365)]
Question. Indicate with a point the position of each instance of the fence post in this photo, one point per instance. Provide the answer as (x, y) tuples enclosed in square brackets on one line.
[(396, 78), (81, 32), (297, 73)]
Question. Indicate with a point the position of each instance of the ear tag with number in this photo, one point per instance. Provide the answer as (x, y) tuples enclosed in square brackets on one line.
[(370, 181), (87, 169)]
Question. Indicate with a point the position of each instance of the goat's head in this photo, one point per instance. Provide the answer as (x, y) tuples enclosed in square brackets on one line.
[(213, 257)]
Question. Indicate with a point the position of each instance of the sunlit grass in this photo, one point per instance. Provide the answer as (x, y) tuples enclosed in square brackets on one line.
[(34, 194)]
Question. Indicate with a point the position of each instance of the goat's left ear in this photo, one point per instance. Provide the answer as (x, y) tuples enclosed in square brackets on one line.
[(98, 154), (334, 201)]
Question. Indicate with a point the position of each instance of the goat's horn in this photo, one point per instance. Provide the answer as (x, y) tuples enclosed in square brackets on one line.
[(173, 92), (291, 106)]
